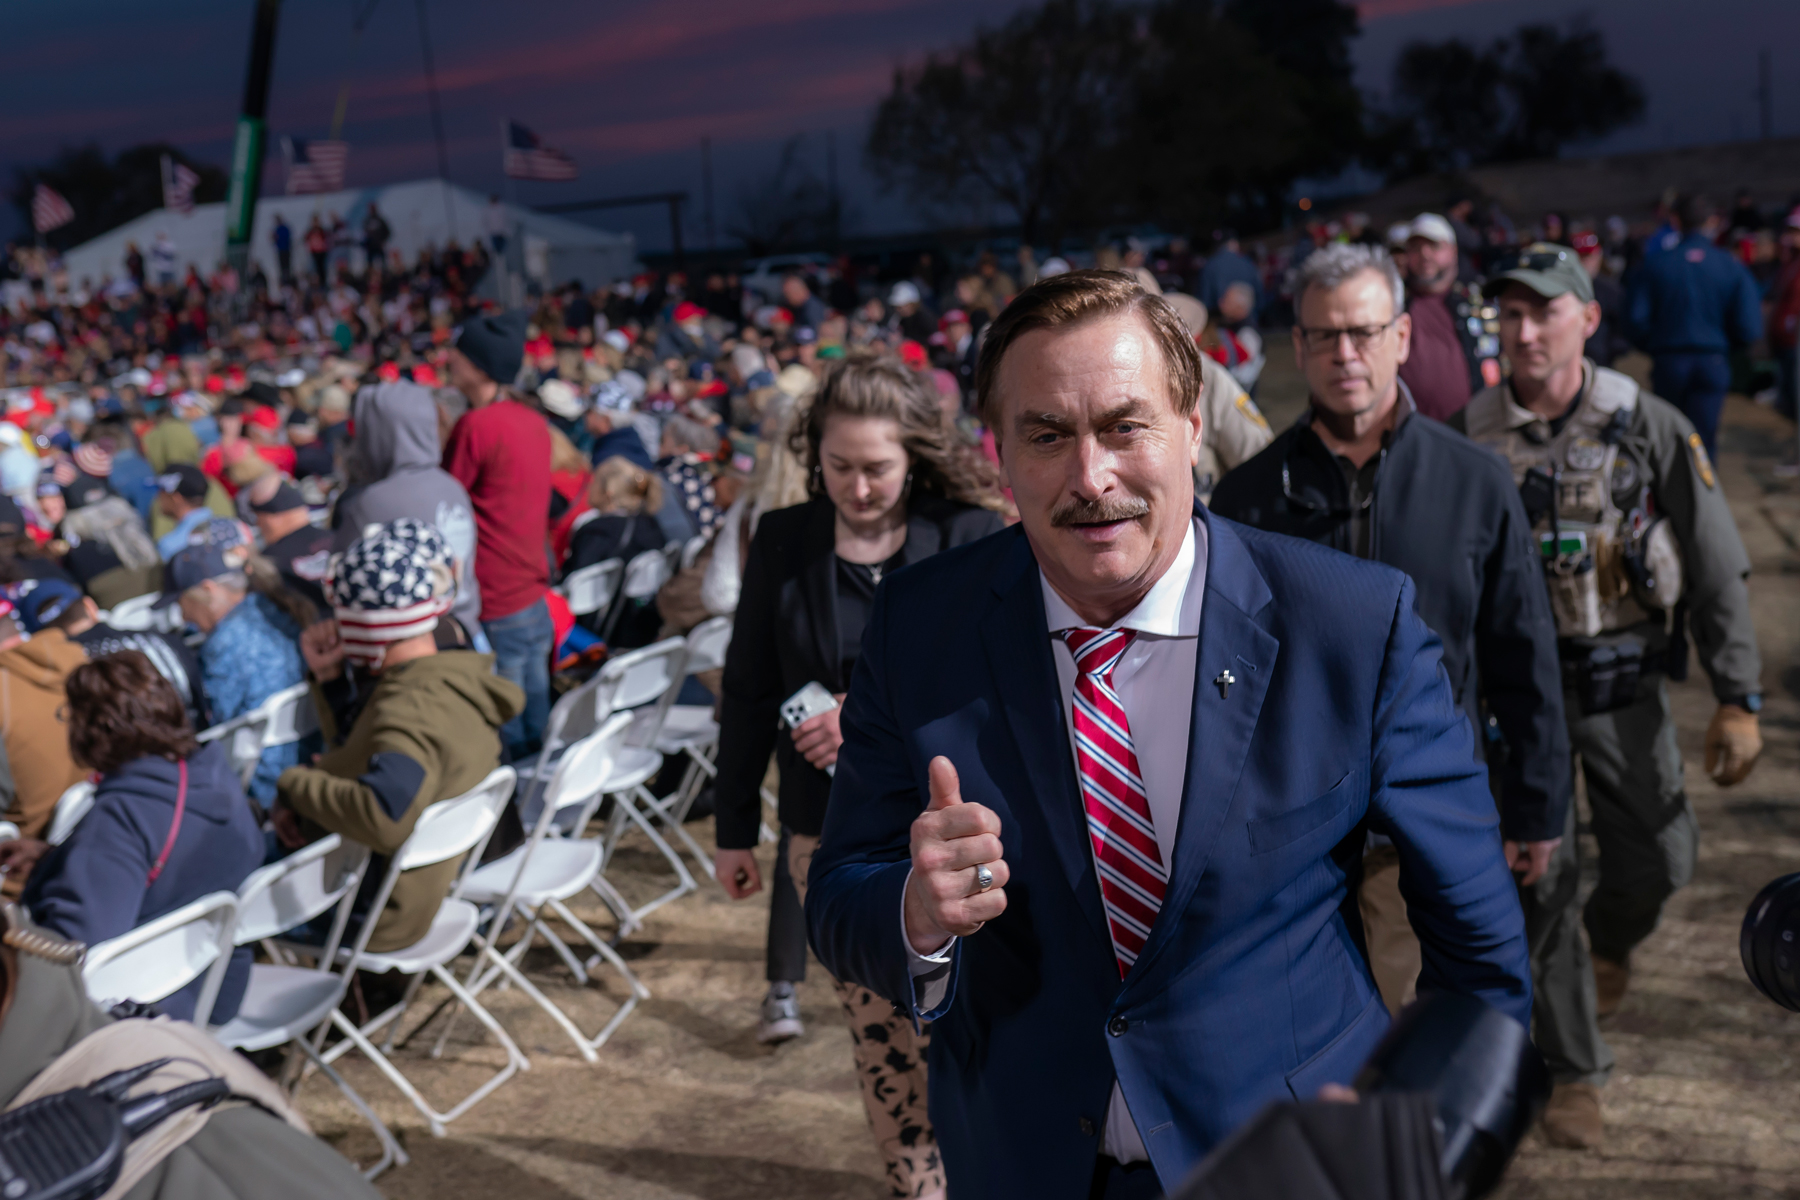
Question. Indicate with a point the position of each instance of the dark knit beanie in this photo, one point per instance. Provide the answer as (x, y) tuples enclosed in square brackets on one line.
[(495, 344)]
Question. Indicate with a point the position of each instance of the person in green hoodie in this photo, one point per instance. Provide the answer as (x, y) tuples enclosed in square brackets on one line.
[(422, 725)]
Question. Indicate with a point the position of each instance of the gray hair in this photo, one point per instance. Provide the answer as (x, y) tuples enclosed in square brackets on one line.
[(690, 433), (1330, 266)]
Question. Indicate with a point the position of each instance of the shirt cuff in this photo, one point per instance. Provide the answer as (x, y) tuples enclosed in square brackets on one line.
[(930, 972)]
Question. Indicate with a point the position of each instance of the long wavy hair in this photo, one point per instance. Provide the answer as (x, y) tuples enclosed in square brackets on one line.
[(865, 384)]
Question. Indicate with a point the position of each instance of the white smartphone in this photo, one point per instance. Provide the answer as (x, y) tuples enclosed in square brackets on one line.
[(806, 704)]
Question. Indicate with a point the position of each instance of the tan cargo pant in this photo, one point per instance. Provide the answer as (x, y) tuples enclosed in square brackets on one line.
[(1393, 947), (890, 1064)]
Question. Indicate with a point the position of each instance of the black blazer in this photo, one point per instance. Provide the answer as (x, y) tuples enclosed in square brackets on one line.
[(785, 636)]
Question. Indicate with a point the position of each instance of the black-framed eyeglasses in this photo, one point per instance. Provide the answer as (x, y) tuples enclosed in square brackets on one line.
[(1318, 341)]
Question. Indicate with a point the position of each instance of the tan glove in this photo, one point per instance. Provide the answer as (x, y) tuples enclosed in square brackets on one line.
[(1733, 742)]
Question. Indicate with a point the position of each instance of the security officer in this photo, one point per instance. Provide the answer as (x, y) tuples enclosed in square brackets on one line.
[(1234, 429), (1636, 540)]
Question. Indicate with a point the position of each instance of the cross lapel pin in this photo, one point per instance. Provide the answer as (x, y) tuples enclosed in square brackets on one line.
[(1224, 682)]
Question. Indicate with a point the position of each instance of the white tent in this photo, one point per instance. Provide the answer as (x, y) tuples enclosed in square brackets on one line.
[(549, 250)]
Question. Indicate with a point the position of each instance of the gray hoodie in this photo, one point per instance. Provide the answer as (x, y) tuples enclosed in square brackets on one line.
[(394, 472)]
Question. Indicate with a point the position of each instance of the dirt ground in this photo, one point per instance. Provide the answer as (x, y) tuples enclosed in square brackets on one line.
[(684, 1103)]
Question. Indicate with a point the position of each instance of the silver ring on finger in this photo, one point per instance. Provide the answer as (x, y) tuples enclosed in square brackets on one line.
[(984, 878)]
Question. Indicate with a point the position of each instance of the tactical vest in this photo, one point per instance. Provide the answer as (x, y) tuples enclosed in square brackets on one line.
[(1610, 558)]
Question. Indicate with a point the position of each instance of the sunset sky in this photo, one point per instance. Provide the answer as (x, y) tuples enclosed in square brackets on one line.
[(629, 87)]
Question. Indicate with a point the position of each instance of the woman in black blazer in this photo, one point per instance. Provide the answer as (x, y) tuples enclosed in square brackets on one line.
[(889, 488)]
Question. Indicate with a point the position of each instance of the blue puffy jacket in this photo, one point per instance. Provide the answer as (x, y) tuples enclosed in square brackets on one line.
[(96, 885), (1694, 298)]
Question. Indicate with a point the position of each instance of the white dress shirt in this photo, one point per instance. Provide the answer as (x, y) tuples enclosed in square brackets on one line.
[(1155, 682)]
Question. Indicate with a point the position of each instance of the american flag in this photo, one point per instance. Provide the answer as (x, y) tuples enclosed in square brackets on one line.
[(179, 183), (49, 210), (314, 166), (528, 158)]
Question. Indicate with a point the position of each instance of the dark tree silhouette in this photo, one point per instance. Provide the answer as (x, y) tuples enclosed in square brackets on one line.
[(107, 194), (1019, 118), (1526, 96)]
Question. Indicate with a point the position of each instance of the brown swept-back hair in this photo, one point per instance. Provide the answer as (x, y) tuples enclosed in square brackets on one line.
[(121, 708), (865, 384), (1077, 296)]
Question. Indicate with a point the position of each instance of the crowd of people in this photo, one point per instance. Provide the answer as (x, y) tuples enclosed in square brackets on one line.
[(367, 478)]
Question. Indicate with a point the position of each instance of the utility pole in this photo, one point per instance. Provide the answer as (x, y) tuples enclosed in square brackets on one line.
[(706, 190), (437, 118), (1765, 93), (252, 131)]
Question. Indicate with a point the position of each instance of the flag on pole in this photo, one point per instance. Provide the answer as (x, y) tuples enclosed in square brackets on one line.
[(528, 158), (179, 183), (314, 167), (49, 210)]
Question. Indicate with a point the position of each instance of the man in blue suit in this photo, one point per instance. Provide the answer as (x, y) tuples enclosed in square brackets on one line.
[(1106, 779)]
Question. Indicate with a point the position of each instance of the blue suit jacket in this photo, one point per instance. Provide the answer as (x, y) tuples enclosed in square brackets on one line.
[(1253, 986)]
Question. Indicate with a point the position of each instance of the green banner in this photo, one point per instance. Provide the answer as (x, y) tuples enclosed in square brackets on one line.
[(246, 178)]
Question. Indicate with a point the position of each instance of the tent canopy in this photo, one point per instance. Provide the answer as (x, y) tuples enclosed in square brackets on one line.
[(547, 249)]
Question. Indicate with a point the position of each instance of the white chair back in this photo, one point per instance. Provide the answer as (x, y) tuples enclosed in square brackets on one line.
[(71, 806), (591, 589), (293, 891), (455, 826), (638, 677), (692, 550), (286, 716), (584, 767), (707, 643), (646, 573), (158, 959)]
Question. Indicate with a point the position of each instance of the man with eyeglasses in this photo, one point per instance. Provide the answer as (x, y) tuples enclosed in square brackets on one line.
[(1638, 545), (1362, 473)]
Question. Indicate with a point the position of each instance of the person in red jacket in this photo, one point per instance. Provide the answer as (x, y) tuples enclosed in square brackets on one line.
[(500, 452)]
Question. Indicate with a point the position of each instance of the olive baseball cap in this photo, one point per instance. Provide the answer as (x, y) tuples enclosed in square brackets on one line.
[(1548, 270)]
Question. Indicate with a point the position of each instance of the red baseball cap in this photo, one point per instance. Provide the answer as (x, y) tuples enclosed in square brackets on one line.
[(687, 311), (388, 372), (913, 355), (263, 417), (1586, 243), (424, 375)]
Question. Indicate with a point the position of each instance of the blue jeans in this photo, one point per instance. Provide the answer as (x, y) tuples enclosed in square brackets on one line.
[(1696, 383), (522, 645)]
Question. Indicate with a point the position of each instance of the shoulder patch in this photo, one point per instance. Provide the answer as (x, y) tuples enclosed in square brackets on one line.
[(1247, 406), (1702, 464)]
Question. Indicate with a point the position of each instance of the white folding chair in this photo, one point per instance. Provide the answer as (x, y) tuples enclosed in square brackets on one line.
[(673, 553), (691, 550), (71, 806), (287, 716), (690, 728), (644, 576), (159, 958), (543, 874), (283, 1005), (447, 830), (591, 589)]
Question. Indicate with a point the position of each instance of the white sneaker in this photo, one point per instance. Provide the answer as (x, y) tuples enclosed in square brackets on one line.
[(780, 1016)]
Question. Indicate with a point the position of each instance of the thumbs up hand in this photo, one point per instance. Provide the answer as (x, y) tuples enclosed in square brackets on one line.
[(951, 842)]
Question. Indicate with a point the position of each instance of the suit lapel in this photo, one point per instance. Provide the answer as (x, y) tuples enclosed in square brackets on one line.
[(818, 589), (1231, 639), (1016, 638)]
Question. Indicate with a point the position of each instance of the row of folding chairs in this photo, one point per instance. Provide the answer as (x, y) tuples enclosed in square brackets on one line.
[(612, 586)]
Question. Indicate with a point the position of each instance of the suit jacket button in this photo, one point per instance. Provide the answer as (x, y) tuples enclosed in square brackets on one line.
[(1087, 1127), (1117, 1026)]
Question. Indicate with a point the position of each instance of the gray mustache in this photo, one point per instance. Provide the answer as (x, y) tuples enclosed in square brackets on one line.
[(1096, 512)]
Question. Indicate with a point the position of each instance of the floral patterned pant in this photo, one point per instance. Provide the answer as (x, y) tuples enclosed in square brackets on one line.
[(890, 1064)]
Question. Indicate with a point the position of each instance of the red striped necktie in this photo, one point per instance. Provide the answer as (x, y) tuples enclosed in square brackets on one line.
[(1132, 875)]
